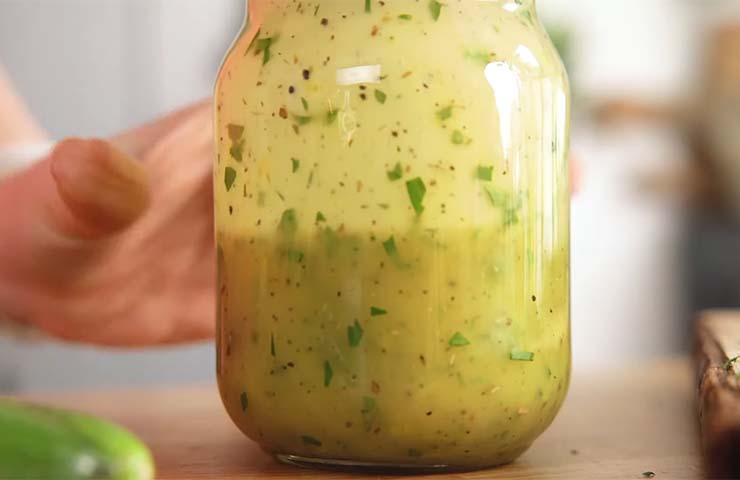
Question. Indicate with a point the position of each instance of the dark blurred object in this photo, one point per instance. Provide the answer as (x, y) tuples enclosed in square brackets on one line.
[(717, 344)]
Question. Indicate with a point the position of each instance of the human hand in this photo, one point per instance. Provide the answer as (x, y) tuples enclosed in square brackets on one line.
[(112, 243)]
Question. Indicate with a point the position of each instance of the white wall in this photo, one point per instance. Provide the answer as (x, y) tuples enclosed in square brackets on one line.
[(645, 48)]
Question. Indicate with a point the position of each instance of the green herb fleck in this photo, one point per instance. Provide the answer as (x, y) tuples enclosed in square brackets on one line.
[(237, 142), (229, 178), (484, 173), (459, 340), (302, 119), (522, 356), (328, 373), (380, 96), (331, 116), (480, 56), (369, 412), (396, 173), (417, 190), (296, 164), (728, 364), (405, 16), (368, 7), (288, 222), (376, 312), (309, 440), (320, 217), (354, 334), (244, 401), (648, 474), (457, 137), (390, 248), (272, 344), (263, 46), (414, 453), (304, 102), (295, 256), (445, 113), (435, 8)]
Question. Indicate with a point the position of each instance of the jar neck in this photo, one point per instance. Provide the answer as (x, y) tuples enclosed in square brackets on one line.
[(256, 7)]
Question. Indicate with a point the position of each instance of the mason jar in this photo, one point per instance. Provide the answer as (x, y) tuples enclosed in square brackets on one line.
[(392, 219)]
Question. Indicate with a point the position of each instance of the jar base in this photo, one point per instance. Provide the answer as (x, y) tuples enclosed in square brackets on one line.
[(351, 466)]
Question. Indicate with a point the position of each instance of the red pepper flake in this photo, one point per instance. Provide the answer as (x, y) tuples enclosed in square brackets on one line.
[(283, 112), (291, 89), (306, 74), (325, 21), (374, 31), (375, 387)]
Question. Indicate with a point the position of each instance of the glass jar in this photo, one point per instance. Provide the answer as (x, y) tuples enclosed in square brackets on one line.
[(392, 216)]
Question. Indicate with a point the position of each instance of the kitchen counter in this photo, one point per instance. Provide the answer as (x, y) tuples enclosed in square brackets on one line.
[(615, 424)]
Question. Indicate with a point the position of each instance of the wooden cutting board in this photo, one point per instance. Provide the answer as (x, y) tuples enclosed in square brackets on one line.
[(718, 364), (615, 425)]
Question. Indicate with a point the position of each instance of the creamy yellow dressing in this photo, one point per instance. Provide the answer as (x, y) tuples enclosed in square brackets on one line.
[(392, 221)]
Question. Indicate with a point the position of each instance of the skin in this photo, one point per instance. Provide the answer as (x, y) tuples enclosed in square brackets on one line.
[(110, 242)]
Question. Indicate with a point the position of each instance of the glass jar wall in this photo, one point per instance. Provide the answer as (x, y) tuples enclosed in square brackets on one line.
[(392, 217)]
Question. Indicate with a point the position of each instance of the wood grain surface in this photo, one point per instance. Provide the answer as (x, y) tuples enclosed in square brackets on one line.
[(717, 342), (615, 425)]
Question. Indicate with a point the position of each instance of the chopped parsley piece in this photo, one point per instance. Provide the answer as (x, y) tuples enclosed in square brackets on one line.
[(354, 334), (288, 222), (648, 474), (304, 102), (405, 16), (522, 356), (484, 173), (331, 116), (459, 340), (457, 137), (511, 217), (235, 132), (320, 217), (272, 344), (237, 142), (376, 312), (480, 56), (417, 190), (369, 412), (244, 400), (368, 6), (229, 178), (390, 248), (445, 113), (328, 373), (435, 8), (309, 440), (396, 173), (296, 164), (507, 203), (728, 364), (263, 46), (380, 96), (302, 119), (295, 256)]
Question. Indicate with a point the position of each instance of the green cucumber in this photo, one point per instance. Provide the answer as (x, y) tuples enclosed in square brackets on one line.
[(39, 443)]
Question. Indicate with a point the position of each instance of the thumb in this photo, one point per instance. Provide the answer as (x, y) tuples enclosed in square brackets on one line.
[(54, 216), (99, 190)]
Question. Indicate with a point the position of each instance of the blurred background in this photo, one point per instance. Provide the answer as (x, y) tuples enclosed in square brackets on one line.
[(656, 83)]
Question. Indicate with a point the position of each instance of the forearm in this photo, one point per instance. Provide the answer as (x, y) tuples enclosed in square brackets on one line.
[(17, 126)]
